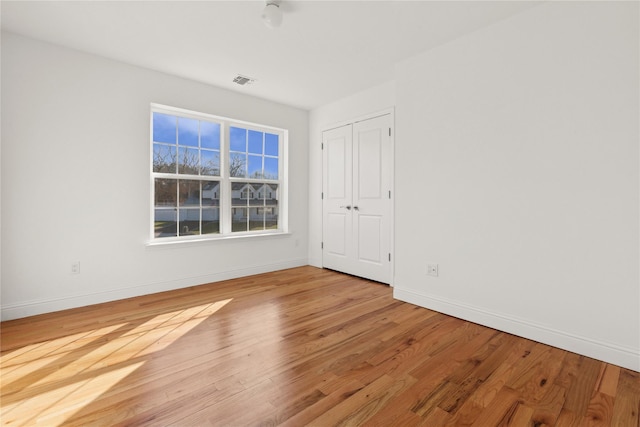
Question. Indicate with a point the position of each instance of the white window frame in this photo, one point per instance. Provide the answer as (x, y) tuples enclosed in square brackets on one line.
[(225, 204)]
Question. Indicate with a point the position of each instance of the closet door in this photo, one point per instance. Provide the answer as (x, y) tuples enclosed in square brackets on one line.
[(337, 221), (357, 199)]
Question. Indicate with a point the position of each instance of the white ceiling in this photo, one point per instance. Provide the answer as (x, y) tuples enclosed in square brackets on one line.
[(323, 51)]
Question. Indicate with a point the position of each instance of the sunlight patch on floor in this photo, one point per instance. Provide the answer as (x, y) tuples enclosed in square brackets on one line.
[(19, 363), (54, 406), (49, 382), (56, 346)]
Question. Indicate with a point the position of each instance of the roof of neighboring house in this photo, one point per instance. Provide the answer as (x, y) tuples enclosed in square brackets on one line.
[(211, 186), (256, 186)]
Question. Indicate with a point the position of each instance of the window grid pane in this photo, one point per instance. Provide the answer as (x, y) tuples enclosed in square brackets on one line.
[(164, 158), (253, 154), (190, 207), (188, 132)]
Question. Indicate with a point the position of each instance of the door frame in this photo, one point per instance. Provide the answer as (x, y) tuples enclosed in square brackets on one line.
[(387, 111)]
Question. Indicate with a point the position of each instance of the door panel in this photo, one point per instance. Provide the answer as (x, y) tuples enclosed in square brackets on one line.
[(337, 229), (337, 188), (356, 204), (370, 239), (372, 206), (336, 157), (370, 164)]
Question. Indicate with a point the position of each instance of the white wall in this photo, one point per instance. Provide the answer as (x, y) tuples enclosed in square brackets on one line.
[(517, 172), (373, 100), (75, 182)]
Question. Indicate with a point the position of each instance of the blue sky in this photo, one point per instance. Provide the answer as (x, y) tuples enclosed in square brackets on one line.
[(258, 151)]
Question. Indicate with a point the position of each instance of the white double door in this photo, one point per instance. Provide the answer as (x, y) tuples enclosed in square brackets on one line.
[(357, 168)]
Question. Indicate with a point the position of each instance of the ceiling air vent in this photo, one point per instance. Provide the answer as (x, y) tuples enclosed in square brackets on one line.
[(243, 80)]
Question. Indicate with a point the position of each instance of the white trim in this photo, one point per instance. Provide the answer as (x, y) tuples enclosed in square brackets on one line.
[(392, 201), (172, 241), (625, 357), (391, 112), (35, 307), (362, 118), (225, 184), (315, 262), (224, 179), (199, 115)]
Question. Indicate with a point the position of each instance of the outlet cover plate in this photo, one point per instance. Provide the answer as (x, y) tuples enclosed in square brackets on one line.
[(432, 270)]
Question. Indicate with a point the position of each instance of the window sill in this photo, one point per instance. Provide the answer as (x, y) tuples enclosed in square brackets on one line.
[(208, 239)]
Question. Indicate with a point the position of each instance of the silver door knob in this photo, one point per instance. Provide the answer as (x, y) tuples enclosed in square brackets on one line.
[(348, 207), (355, 208)]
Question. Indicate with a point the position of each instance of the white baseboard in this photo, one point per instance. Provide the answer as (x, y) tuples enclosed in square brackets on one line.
[(611, 353), (315, 262), (34, 307)]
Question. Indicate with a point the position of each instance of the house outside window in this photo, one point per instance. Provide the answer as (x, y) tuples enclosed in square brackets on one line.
[(209, 173)]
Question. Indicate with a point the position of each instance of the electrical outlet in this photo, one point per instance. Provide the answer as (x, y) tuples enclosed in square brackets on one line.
[(432, 270), (75, 267)]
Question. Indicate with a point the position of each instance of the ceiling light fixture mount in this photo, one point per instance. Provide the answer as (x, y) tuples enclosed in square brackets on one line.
[(272, 14)]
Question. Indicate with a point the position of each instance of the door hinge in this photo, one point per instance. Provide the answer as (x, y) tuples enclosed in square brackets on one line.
[(322, 195), (389, 131), (389, 256), (321, 245), (389, 193), (322, 146)]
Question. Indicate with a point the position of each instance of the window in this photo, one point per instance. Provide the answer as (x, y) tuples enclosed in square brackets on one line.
[(214, 177)]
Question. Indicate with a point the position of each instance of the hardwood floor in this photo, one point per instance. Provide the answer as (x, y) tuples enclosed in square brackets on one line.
[(298, 347)]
